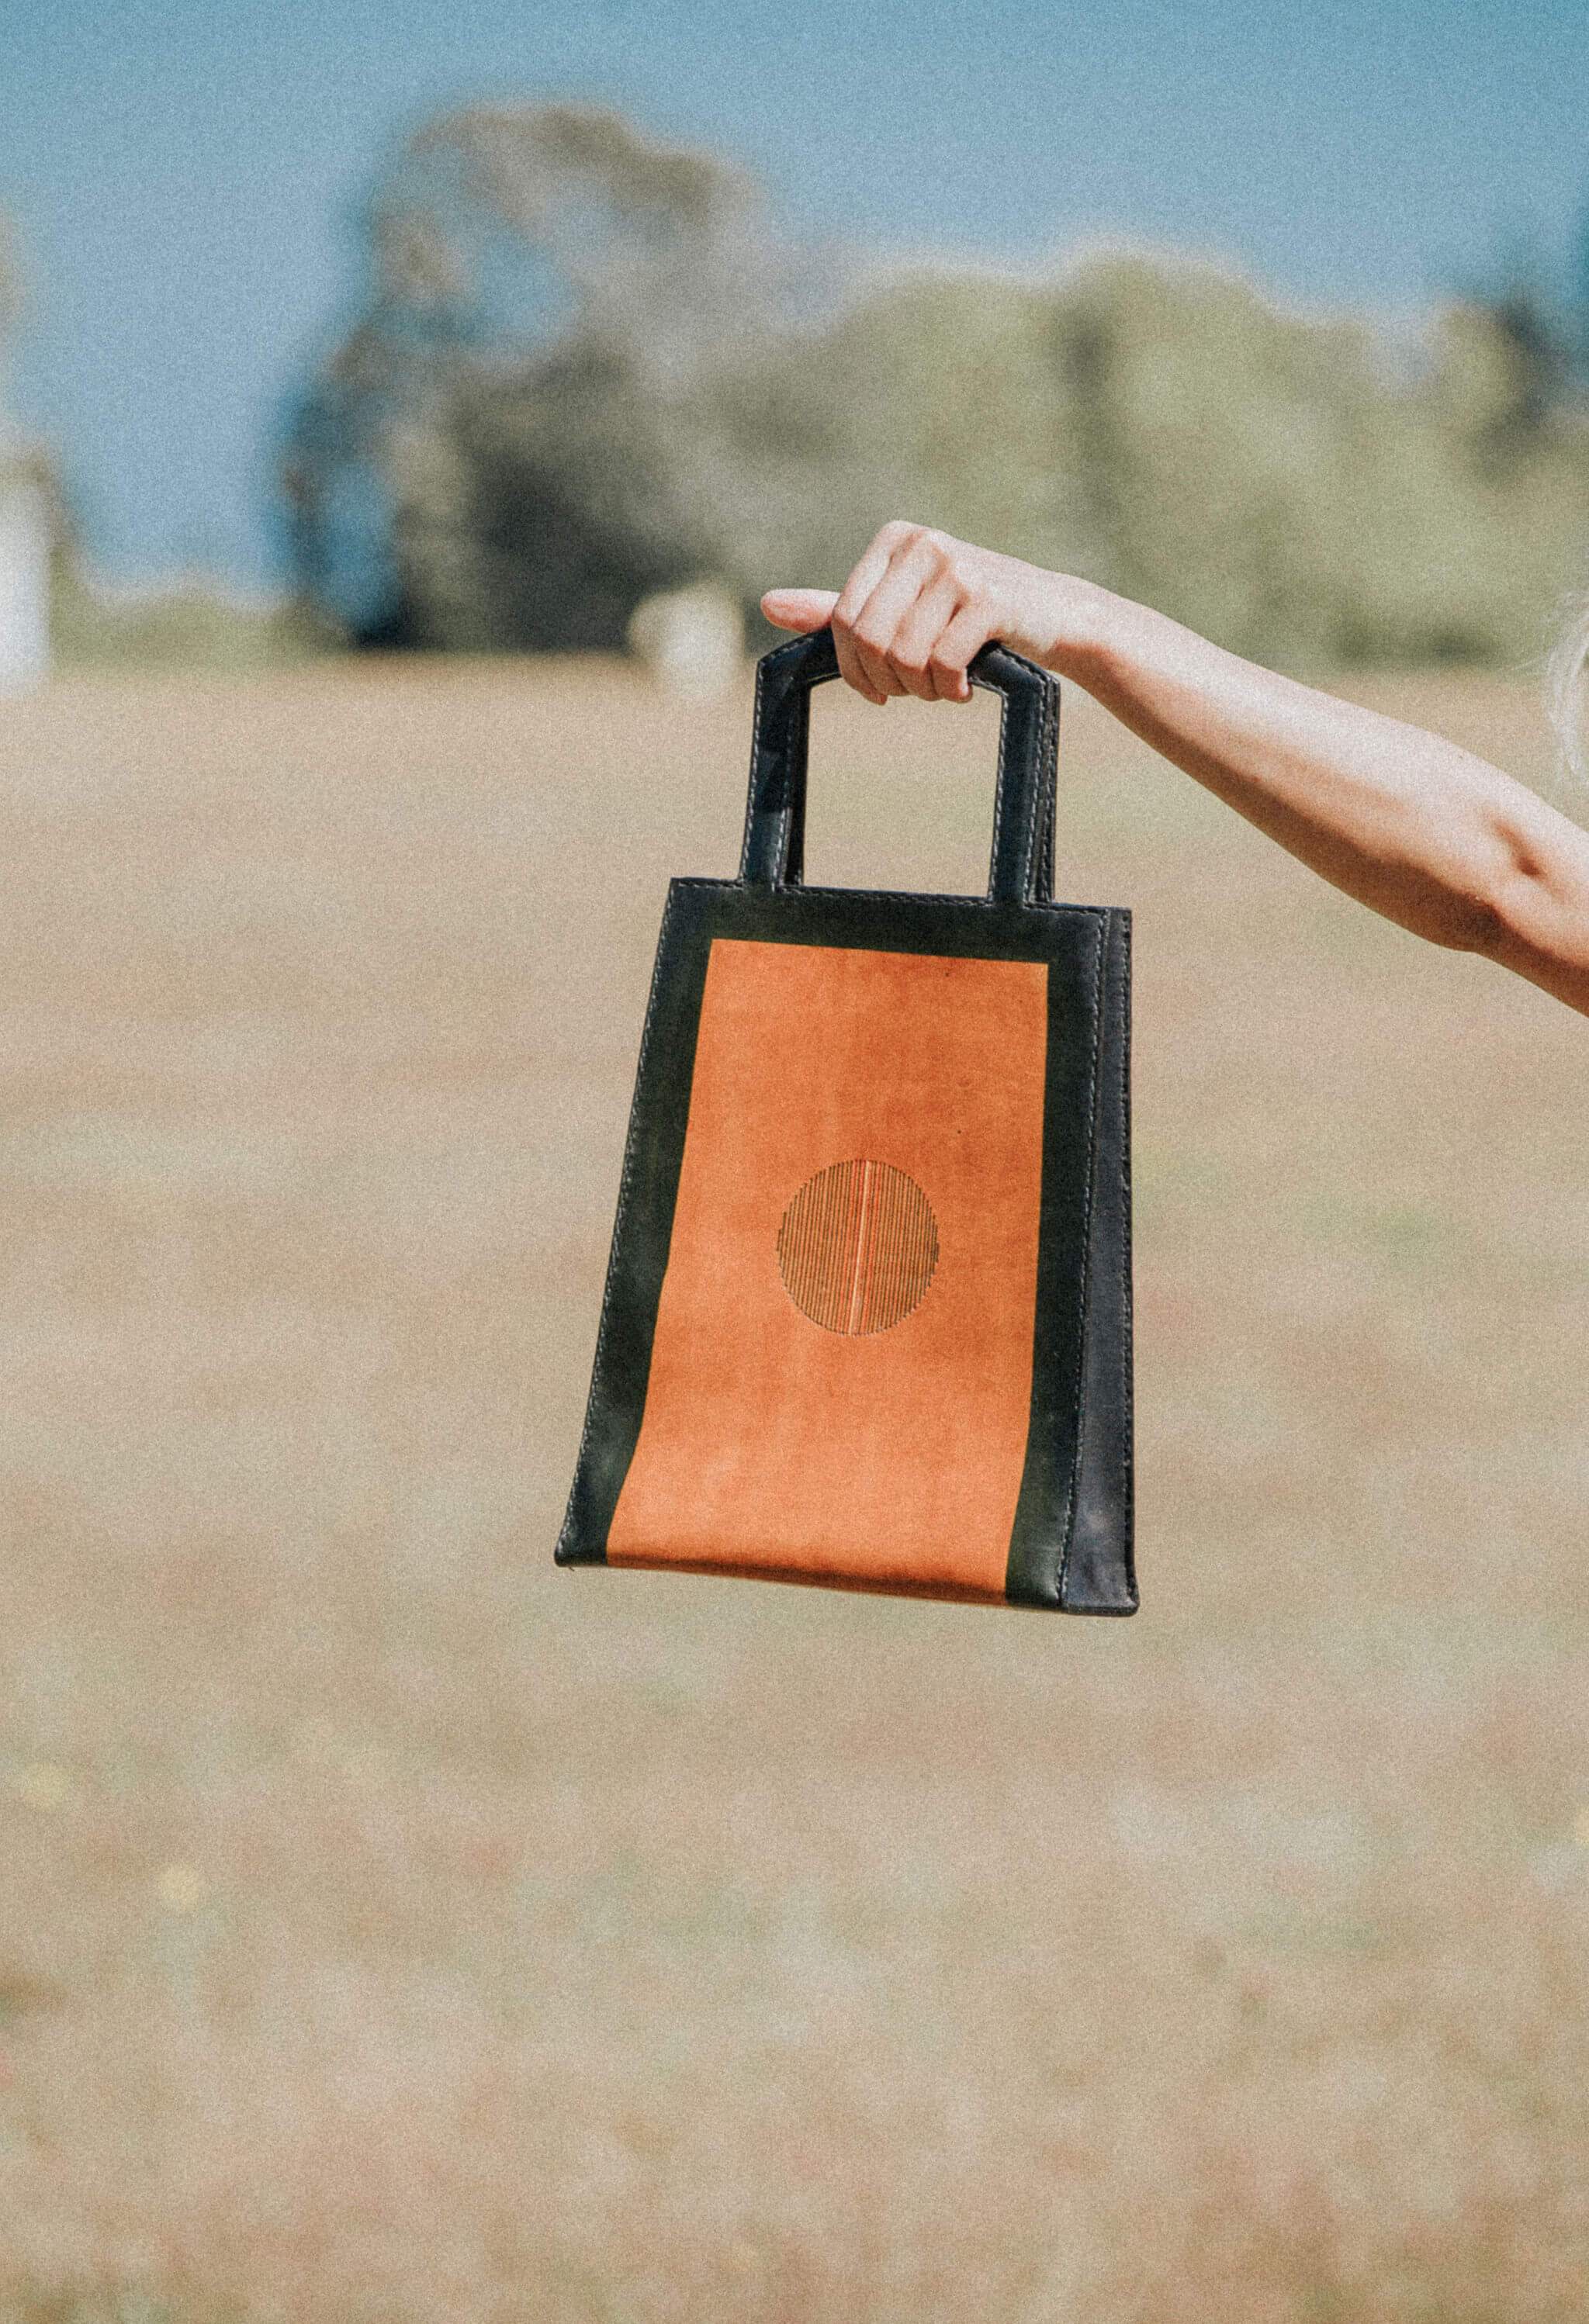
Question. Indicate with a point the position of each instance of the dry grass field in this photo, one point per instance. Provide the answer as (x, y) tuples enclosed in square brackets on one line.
[(393, 1931)]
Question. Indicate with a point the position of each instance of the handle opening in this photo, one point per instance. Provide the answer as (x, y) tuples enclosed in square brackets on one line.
[(1020, 868)]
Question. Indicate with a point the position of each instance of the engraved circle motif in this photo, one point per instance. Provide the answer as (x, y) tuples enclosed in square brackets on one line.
[(857, 1246)]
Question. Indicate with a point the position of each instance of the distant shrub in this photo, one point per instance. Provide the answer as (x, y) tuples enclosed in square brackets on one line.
[(189, 626)]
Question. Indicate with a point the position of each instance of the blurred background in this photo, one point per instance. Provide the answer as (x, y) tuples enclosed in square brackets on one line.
[(403, 412)]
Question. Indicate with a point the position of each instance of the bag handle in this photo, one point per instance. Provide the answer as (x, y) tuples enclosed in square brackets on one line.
[(1021, 867)]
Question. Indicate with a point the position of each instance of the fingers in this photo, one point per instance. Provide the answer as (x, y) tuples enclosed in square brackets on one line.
[(915, 649), (916, 570), (802, 610), (867, 672), (908, 620), (957, 644)]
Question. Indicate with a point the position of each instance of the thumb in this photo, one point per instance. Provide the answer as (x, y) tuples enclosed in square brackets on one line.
[(799, 609)]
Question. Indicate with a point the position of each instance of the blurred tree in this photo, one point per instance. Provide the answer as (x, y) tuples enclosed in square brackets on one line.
[(934, 394), (584, 374), (1531, 327), (1579, 296), (478, 462), (1277, 482)]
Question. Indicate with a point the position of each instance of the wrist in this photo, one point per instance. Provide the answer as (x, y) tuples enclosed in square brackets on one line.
[(1079, 628)]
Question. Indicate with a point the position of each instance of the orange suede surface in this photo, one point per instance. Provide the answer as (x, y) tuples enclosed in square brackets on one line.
[(894, 1457)]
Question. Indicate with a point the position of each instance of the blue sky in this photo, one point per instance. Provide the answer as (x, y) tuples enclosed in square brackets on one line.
[(187, 174)]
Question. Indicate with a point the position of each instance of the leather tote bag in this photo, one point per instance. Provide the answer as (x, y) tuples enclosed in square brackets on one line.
[(867, 1320)]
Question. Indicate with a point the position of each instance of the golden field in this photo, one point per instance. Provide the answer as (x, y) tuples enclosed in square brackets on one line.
[(393, 1931)]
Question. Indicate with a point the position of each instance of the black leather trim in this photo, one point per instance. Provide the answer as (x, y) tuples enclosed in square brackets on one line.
[(1070, 1546), (1099, 1572), (1020, 868), (648, 1190)]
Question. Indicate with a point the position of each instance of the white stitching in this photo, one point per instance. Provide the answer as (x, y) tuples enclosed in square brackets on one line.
[(755, 789), (900, 896), (1127, 1492), (1047, 699), (998, 778), (1096, 912), (1077, 1413), (1026, 869)]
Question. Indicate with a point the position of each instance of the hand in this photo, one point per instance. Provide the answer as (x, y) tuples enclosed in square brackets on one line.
[(918, 606)]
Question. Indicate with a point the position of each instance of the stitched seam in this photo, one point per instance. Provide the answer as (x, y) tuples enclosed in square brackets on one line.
[(1046, 872), (902, 896), (755, 783), (626, 1189), (782, 656), (1043, 880), (1039, 789), (999, 787), (1127, 1495), (786, 814), (1047, 699), (1078, 1411), (1033, 788)]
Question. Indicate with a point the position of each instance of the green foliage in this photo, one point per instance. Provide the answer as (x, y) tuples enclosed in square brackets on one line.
[(581, 376), (188, 627)]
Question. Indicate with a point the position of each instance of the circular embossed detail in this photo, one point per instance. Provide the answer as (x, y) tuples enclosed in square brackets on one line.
[(857, 1246)]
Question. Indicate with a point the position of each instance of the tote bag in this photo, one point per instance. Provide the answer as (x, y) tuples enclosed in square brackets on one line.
[(867, 1317)]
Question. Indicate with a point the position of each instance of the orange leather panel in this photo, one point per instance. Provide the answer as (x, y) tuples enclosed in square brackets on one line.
[(771, 1444)]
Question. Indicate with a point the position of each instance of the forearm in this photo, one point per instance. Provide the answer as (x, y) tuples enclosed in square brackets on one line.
[(1421, 831), (1408, 824)]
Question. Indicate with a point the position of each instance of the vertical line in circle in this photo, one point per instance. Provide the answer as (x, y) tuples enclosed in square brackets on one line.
[(877, 1245), (833, 1247), (857, 1278), (857, 1246), (816, 1238), (900, 1273), (877, 1252), (901, 1224), (865, 1254), (911, 1276), (839, 1247), (902, 1200), (880, 1311)]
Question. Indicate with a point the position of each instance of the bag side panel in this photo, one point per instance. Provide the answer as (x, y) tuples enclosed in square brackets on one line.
[(1046, 1512), (1099, 1573), (647, 1193)]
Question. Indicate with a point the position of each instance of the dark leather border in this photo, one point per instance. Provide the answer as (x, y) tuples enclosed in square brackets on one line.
[(1070, 1546), (1021, 865)]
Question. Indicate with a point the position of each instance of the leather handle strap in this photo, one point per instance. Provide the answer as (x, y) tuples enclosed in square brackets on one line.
[(1022, 868)]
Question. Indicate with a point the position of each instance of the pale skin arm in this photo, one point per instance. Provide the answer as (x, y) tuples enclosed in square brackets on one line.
[(1420, 830)]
